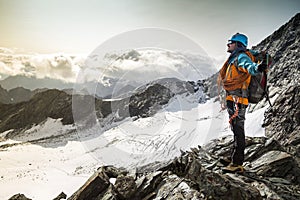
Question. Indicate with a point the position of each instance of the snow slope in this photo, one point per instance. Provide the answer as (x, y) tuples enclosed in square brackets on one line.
[(43, 169)]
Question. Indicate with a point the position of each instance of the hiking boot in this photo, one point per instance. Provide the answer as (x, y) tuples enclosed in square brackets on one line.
[(225, 161), (233, 168)]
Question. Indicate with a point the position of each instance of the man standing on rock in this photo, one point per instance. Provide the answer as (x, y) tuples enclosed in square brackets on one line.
[(235, 76)]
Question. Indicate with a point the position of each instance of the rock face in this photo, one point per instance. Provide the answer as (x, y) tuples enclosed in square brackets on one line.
[(52, 103), (143, 104), (283, 122), (284, 45), (150, 98)]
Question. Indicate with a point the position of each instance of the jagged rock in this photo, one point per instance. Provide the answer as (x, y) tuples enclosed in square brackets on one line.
[(62, 195), (147, 184), (146, 103), (19, 197), (146, 100), (270, 165), (210, 86), (283, 122), (284, 45), (176, 188), (53, 104), (125, 186), (93, 188), (110, 194)]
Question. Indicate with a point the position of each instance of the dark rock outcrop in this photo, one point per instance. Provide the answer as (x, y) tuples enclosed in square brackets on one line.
[(53, 104), (284, 45), (19, 197), (283, 121), (146, 100), (146, 103), (62, 195)]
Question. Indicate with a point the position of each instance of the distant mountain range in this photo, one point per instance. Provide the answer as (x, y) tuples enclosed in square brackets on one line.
[(17, 95), (32, 83)]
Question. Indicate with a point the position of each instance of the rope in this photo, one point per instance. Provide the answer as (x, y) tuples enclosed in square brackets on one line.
[(236, 106)]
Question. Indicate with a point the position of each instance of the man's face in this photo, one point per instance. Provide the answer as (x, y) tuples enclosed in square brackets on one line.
[(231, 46)]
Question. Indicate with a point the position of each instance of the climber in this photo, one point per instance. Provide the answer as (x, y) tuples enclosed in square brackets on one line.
[(235, 77)]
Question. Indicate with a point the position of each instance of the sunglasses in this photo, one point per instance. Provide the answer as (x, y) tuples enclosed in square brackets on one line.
[(230, 42)]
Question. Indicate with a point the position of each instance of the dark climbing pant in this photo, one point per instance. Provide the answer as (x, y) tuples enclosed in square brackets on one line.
[(237, 128)]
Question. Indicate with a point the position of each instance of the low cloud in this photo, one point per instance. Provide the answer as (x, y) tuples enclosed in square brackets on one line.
[(56, 66), (148, 65), (130, 65)]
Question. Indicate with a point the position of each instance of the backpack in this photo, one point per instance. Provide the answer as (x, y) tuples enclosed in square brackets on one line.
[(257, 89)]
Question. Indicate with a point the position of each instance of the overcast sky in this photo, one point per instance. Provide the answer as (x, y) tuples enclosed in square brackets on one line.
[(79, 26)]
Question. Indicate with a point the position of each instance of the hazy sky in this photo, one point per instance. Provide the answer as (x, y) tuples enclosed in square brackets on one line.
[(79, 26)]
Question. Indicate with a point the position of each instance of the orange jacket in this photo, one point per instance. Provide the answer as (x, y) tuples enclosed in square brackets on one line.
[(235, 76)]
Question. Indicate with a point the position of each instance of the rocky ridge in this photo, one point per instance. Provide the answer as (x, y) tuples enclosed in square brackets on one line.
[(197, 175)]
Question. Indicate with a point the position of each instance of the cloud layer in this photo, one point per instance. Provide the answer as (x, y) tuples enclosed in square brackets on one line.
[(147, 65), (127, 66), (55, 66)]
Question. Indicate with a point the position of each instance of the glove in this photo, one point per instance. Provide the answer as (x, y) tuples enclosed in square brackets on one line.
[(262, 67)]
